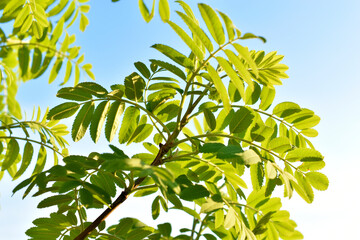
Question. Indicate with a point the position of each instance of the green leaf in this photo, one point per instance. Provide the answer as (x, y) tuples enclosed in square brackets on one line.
[(27, 23), (245, 54), (92, 88), (40, 15), (279, 145), (145, 12), (252, 94), (249, 157), (82, 121), (194, 192), (141, 67), (164, 10), (124, 226), (167, 111), (21, 16), (318, 180), (232, 74), (55, 70), (23, 55), (308, 122), (139, 233), (67, 72), (129, 123), (230, 27), (175, 70), (84, 21), (303, 187), (241, 121), (285, 109), (113, 119), (273, 204), (155, 208), (267, 97), (230, 218), (98, 193), (219, 218), (138, 132), (11, 155), (86, 197), (54, 200), (312, 166), (98, 120), (196, 30), (36, 61), (242, 71), (309, 132), (76, 94), (187, 40), (57, 31), (157, 98), (63, 110), (304, 155), (134, 87), (212, 22), (27, 156), (270, 170), (220, 87), (165, 229), (256, 174), (165, 85), (211, 147), (210, 206), (41, 160), (210, 119), (223, 119), (174, 55)]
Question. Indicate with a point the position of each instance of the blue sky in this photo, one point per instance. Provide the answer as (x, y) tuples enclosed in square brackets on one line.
[(320, 41)]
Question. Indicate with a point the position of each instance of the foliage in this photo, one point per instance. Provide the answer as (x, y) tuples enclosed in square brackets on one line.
[(202, 116)]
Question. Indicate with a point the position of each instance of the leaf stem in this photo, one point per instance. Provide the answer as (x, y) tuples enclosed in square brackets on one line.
[(237, 138), (34, 141)]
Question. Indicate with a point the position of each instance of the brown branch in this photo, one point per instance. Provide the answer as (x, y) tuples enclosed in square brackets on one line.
[(124, 194), (157, 161)]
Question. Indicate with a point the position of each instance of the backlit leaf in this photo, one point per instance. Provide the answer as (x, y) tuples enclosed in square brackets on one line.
[(210, 119), (174, 55), (175, 70), (232, 74), (82, 121), (63, 110), (27, 156), (98, 120), (212, 22), (54, 200), (11, 155), (164, 10), (129, 123), (134, 87), (304, 155), (142, 69), (195, 29), (113, 119), (285, 109), (194, 192), (249, 157), (76, 94), (188, 41), (279, 144), (242, 120), (220, 87), (318, 180)]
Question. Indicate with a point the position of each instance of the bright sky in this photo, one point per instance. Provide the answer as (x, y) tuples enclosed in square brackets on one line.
[(320, 41)]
